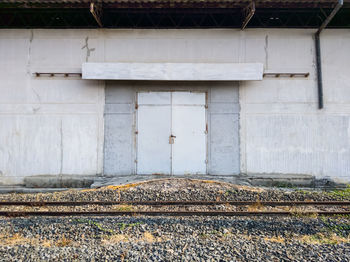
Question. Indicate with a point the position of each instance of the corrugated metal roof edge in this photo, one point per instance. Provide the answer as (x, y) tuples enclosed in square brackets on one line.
[(175, 1)]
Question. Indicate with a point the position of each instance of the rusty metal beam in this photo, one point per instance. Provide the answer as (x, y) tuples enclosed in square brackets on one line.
[(39, 74), (306, 74), (248, 13), (96, 11)]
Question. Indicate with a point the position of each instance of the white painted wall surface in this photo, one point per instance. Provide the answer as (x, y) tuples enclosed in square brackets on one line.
[(48, 125), (282, 131), (55, 125)]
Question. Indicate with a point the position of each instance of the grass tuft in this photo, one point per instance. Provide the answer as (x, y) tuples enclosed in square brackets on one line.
[(324, 239), (277, 239), (255, 207), (341, 193), (63, 242)]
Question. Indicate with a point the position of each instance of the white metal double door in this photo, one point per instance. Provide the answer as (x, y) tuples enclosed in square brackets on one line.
[(171, 133)]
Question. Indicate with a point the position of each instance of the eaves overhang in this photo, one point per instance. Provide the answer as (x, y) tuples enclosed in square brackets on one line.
[(171, 14)]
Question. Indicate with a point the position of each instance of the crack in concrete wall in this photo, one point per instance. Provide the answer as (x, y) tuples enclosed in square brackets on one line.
[(88, 50), (29, 50), (61, 148), (31, 38), (266, 52)]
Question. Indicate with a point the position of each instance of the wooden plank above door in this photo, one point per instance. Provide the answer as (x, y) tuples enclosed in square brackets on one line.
[(173, 71)]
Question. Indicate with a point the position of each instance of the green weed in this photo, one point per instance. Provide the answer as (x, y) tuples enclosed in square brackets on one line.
[(123, 226), (99, 226), (341, 193)]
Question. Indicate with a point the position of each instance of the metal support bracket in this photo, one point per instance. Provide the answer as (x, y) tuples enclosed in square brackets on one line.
[(318, 52), (96, 11), (49, 74), (248, 13)]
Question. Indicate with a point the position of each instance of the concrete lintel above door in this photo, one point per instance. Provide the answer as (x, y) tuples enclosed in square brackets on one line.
[(173, 71)]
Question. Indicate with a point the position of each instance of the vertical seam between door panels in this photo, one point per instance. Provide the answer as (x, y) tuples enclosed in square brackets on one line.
[(136, 130), (206, 106), (171, 132)]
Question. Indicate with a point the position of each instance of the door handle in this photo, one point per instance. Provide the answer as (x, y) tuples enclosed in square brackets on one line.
[(171, 139)]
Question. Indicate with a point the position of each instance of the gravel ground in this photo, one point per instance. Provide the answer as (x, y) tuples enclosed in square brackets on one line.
[(173, 239), (176, 189), (142, 238)]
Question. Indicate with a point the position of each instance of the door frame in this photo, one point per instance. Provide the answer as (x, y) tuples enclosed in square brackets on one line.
[(135, 129)]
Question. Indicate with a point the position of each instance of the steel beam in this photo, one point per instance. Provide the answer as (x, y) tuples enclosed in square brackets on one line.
[(318, 53), (96, 11), (248, 13)]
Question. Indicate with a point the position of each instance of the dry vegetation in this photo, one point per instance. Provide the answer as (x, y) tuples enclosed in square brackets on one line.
[(18, 239), (324, 239), (277, 239), (147, 237)]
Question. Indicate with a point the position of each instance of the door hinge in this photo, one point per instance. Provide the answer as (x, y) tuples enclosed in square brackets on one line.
[(136, 106)]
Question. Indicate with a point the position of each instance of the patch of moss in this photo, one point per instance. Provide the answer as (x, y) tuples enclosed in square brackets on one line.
[(341, 193), (324, 239), (123, 226), (99, 226)]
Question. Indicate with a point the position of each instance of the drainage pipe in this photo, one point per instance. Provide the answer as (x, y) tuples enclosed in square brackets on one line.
[(318, 53)]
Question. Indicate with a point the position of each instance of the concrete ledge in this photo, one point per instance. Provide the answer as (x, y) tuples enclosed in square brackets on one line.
[(125, 179), (173, 71), (50, 183), (21, 189), (281, 180), (62, 181), (266, 180)]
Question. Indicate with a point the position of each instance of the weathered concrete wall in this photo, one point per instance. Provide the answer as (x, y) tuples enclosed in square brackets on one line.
[(223, 121), (282, 129), (48, 125), (55, 125)]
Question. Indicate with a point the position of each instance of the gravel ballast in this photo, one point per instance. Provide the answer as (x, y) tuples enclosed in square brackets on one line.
[(143, 238)]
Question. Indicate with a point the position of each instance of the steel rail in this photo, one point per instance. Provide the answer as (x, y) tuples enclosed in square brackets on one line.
[(168, 213), (175, 203)]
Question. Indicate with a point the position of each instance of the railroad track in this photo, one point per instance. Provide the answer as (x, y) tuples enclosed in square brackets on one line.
[(173, 203)]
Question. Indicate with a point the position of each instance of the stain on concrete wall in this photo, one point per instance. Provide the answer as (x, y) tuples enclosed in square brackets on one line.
[(224, 129), (119, 129)]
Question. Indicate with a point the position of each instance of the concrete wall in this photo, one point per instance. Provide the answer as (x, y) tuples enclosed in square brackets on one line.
[(55, 125), (48, 125), (223, 122), (282, 129)]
